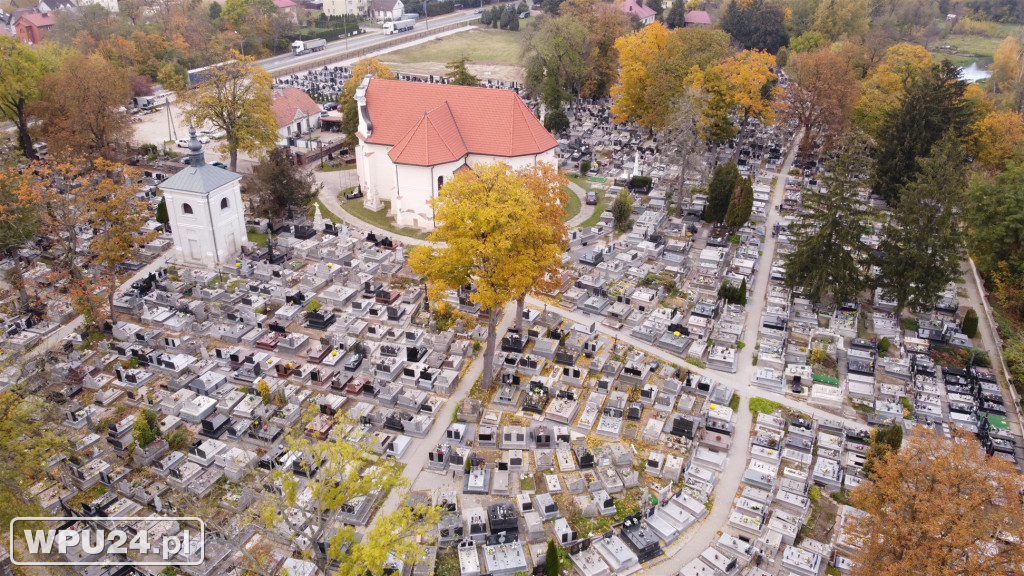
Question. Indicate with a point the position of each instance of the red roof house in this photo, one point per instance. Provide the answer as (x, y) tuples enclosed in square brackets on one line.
[(33, 27), (414, 136), (295, 111), (636, 9), (698, 18)]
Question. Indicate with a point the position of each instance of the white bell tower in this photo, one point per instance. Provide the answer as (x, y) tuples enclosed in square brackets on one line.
[(204, 206)]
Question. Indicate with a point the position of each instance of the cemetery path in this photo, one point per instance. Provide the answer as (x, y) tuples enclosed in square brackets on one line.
[(993, 343), (586, 210), (416, 460)]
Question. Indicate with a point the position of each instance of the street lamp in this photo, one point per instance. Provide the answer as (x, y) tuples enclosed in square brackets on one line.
[(242, 43)]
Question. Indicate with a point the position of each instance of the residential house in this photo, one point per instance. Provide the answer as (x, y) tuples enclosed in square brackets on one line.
[(46, 6), (413, 137), (383, 10), (296, 113), (288, 7), (635, 9), (697, 18), (342, 7), (33, 27)]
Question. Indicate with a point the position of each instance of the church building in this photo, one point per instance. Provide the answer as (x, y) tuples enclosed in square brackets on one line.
[(413, 137), (204, 205)]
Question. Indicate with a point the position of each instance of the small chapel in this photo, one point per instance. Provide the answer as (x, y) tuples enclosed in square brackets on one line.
[(204, 206)]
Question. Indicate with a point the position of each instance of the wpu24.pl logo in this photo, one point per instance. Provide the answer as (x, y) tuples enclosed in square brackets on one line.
[(107, 541)]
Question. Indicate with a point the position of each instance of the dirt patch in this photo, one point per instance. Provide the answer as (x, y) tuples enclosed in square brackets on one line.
[(482, 71)]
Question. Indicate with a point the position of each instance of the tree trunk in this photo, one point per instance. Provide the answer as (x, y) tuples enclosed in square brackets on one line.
[(492, 327), (24, 138), (520, 308), (233, 160)]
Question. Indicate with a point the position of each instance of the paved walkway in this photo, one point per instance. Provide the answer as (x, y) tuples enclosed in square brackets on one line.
[(586, 210), (335, 182)]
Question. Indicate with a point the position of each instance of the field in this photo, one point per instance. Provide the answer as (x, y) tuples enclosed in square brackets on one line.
[(979, 44), (480, 46)]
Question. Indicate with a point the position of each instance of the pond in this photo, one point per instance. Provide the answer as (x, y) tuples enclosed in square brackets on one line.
[(974, 72)]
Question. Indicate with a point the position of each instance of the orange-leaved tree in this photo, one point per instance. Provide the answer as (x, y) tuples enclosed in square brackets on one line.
[(940, 507)]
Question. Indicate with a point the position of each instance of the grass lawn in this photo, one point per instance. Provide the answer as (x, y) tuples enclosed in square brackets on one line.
[(259, 239), (326, 212), (480, 46), (379, 218), (573, 208), (337, 167)]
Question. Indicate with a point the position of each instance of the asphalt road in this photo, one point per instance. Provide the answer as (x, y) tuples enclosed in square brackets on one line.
[(340, 47)]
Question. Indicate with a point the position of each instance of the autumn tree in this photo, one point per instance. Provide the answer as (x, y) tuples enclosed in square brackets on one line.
[(547, 236), (940, 506), (459, 74), (347, 100), (21, 69), (79, 106), (554, 53), (1007, 82), (835, 19), (724, 182), (996, 138), (279, 186), (485, 223), (932, 106), (995, 231), (756, 24), (235, 98), (830, 257), (922, 240), (742, 84), (96, 196), (394, 537), (681, 140), (29, 443), (821, 95), (146, 428), (631, 97), (884, 90)]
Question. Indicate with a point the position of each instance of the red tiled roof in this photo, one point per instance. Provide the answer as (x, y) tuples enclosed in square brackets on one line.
[(282, 4), (635, 7), (39, 20), (426, 122), (288, 101), (434, 140), (697, 17)]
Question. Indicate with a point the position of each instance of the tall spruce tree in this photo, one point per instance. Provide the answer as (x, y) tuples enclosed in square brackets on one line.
[(933, 105), (741, 204), (830, 256), (922, 242), (723, 185)]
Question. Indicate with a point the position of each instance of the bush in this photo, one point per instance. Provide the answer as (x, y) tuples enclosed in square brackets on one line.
[(146, 428), (551, 563), (970, 323), (313, 305), (584, 167), (556, 121), (622, 209), (883, 347), (640, 183)]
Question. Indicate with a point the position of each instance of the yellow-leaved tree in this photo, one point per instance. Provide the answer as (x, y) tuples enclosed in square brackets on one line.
[(1008, 73), (496, 229), (637, 52), (997, 137), (236, 98), (883, 89), (940, 506)]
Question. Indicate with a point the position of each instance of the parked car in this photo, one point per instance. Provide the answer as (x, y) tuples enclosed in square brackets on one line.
[(591, 198), (524, 15), (357, 193), (220, 165), (353, 362), (182, 142)]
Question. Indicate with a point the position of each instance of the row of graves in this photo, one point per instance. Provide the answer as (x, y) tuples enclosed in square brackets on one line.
[(568, 409), (786, 459), (238, 359), (909, 386)]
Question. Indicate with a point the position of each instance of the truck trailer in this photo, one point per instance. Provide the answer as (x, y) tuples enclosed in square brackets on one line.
[(398, 26), (300, 47)]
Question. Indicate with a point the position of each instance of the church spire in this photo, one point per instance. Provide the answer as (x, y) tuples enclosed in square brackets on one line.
[(195, 149)]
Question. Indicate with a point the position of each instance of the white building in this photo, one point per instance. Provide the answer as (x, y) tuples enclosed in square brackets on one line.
[(204, 205), (342, 7), (296, 113), (413, 137), (382, 10)]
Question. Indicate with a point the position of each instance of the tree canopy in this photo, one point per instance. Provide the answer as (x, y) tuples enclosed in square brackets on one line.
[(278, 186), (756, 24), (459, 74), (724, 183), (21, 70), (940, 506), (347, 100), (235, 98), (830, 257), (494, 229)]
